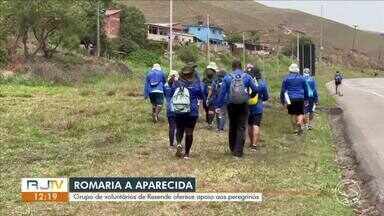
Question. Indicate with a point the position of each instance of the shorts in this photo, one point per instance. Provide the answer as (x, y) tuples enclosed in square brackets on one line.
[(255, 119), (309, 107), (185, 120), (156, 98), (296, 107), (337, 82)]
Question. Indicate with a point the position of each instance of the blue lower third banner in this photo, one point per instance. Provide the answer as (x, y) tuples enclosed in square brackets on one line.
[(132, 184)]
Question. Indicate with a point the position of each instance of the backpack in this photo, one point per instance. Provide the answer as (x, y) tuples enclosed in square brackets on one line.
[(238, 94), (181, 100), (338, 78), (254, 100)]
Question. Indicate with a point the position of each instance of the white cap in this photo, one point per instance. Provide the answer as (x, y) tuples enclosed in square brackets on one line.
[(156, 67), (294, 68), (212, 65)]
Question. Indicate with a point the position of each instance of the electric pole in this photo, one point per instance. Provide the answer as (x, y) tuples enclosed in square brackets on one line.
[(243, 49), (98, 30), (298, 48), (170, 34), (321, 35), (354, 36), (209, 30)]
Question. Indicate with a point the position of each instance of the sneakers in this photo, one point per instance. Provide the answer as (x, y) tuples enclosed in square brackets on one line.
[(186, 157), (310, 127), (179, 150), (254, 147)]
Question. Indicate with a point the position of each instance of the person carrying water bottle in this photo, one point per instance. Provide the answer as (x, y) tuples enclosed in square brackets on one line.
[(235, 86), (310, 103), (172, 78), (186, 92)]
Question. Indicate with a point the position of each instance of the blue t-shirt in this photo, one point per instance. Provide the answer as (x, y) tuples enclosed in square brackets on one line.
[(263, 96)]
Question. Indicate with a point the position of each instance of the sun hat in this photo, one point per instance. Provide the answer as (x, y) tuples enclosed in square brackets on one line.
[(156, 67), (213, 66), (188, 69), (294, 68)]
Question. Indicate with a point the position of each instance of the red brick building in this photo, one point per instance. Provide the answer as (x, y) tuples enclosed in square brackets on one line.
[(112, 24)]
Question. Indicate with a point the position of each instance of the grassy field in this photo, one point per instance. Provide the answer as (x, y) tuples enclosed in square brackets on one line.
[(102, 128)]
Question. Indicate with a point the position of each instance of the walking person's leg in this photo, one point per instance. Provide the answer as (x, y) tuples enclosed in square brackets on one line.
[(172, 130), (254, 122), (222, 116), (189, 136), (211, 115), (242, 117), (180, 128), (159, 104), (232, 131)]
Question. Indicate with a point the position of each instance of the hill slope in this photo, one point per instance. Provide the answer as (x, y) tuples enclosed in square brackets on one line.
[(250, 15)]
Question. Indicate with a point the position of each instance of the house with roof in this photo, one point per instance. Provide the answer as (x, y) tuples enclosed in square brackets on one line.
[(112, 23), (160, 32), (202, 32)]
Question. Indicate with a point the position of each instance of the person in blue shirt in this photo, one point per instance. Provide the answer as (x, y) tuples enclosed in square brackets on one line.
[(208, 105), (256, 110), (186, 122), (154, 89), (293, 94), (172, 78), (338, 81), (217, 86), (313, 98), (235, 86)]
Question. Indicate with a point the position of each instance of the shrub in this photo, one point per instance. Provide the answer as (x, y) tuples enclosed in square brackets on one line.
[(189, 53), (142, 56)]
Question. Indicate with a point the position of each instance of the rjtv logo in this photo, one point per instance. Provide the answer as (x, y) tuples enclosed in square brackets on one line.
[(44, 189)]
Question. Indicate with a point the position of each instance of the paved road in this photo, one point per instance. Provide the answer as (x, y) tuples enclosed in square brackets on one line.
[(363, 106)]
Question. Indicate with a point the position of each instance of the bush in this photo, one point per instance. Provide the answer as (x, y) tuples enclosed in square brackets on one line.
[(133, 32), (142, 56), (189, 53)]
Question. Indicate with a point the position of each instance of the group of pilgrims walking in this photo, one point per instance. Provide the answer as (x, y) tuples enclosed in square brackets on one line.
[(235, 99)]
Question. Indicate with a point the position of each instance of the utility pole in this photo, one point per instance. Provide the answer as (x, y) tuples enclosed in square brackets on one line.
[(321, 34), (298, 48), (170, 34), (243, 49), (354, 36), (98, 30), (209, 30)]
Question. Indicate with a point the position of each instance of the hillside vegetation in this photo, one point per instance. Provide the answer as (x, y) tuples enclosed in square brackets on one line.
[(249, 16)]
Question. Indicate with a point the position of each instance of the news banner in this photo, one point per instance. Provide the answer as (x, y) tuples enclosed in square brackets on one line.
[(123, 189)]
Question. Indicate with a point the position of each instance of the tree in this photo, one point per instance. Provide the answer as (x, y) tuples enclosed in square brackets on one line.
[(133, 31), (252, 37), (48, 24), (291, 48)]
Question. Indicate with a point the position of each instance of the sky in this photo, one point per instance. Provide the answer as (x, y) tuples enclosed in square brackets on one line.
[(368, 15)]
